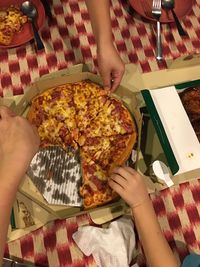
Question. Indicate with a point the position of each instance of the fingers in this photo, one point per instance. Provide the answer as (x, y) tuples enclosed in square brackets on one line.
[(125, 172), (117, 77), (111, 80), (118, 179), (5, 112), (116, 187), (106, 81), (130, 170)]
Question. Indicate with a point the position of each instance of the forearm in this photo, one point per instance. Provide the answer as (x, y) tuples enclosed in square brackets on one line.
[(99, 12), (156, 248), (8, 188)]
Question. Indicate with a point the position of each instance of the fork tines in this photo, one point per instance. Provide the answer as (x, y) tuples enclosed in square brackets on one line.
[(156, 7)]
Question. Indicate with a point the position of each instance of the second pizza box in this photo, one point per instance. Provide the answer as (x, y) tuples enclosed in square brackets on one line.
[(167, 135)]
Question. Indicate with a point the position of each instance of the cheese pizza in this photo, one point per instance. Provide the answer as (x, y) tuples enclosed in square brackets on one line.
[(83, 115)]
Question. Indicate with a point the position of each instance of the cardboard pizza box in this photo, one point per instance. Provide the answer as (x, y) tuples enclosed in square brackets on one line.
[(167, 135), (21, 105), (27, 187), (148, 148)]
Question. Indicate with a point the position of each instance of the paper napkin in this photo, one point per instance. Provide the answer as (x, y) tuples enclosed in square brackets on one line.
[(110, 247)]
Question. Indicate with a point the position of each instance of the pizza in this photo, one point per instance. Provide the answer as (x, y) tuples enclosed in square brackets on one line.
[(107, 151), (11, 22), (95, 190), (84, 116), (191, 101)]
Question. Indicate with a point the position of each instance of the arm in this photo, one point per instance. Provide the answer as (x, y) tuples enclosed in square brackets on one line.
[(18, 144), (110, 65), (130, 186)]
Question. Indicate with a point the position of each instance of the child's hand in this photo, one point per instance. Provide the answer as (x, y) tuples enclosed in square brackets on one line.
[(129, 185)]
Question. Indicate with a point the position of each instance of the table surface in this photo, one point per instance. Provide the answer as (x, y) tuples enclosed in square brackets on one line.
[(68, 40)]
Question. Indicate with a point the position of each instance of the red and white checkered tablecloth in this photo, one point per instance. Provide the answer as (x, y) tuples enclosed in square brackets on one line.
[(68, 40), (177, 209)]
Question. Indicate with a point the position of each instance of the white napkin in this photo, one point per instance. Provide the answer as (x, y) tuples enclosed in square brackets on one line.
[(110, 247)]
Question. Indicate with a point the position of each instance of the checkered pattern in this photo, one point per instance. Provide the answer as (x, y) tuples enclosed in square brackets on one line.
[(52, 245), (178, 212), (68, 40)]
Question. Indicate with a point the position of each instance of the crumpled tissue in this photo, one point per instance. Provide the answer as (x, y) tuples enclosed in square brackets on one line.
[(110, 247)]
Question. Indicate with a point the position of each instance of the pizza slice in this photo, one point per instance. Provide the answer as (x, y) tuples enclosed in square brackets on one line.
[(87, 114), (6, 35), (113, 119), (49, 98), (111, 151), (95, 189), (58, 103), (86, 90), (11, 22), (52, 131)]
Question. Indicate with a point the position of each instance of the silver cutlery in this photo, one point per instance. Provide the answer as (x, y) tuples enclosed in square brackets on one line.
[(156, 12), (169, 5), (30, 11)]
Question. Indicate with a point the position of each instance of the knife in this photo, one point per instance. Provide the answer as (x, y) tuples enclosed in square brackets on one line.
[(47, 9)]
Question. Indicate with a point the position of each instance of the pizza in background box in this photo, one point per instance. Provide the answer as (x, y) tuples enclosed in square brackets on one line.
[(191, 101), (84, 116)]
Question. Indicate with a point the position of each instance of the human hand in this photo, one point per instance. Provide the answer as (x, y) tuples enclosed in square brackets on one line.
[(19, 141), (129, 185), (111, 67)]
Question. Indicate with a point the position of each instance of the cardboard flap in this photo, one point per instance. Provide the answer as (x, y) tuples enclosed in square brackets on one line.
[(10, 103), (106, 214), (76, 69)]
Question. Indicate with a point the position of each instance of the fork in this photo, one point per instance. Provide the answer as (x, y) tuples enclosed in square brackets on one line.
[(156, 12)]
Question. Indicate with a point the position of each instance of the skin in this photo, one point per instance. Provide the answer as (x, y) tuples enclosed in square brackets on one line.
[(130, 186), (19, 142), (111, 67)]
